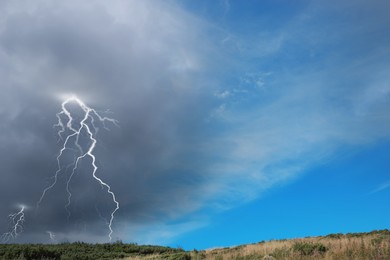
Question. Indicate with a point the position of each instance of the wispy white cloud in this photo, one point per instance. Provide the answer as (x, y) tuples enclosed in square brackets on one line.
[(161, 233), (381, 187), (321, 97)]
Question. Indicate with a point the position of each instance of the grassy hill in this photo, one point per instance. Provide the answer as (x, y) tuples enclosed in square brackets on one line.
[(371, 245)]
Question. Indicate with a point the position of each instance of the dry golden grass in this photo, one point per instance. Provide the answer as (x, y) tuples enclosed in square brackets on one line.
[(373, 245)]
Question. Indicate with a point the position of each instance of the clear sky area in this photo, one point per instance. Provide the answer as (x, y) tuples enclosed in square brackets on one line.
[(197, 124)]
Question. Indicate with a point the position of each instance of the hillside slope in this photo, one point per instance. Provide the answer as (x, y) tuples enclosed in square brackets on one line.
[(372, 245)]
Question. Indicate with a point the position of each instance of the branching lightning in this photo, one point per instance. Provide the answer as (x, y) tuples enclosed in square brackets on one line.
[(16, 222), (52, 236), (73, 129)]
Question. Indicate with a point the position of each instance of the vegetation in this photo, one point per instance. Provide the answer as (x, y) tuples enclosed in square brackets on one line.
[(84, 251), (304, 248), (372, 245)]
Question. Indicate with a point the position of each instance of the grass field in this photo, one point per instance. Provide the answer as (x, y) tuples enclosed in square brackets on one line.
[(371, 245)]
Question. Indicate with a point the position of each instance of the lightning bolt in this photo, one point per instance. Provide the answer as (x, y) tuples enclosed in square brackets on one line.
[(73, 129), (16, 221), (52, 235)]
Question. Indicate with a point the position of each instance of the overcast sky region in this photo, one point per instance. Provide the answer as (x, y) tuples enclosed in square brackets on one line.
[(239, 121)]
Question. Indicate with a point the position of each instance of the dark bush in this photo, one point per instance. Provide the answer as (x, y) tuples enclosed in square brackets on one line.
[(306, 249), (84, 251)]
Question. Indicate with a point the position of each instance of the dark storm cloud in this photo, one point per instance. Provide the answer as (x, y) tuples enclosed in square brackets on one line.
[(137, 59)]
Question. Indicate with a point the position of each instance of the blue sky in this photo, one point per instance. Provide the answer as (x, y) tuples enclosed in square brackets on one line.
[(312, 77), (338, 197), (239, 121)]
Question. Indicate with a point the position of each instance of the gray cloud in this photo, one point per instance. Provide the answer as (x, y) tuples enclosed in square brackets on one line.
[(139, 59)]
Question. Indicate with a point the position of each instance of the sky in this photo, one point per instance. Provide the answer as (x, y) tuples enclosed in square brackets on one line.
[(238, 121)]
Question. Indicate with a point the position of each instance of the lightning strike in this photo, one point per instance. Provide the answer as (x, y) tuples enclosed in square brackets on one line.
[(52, 236), (70, 131), (16, 222)]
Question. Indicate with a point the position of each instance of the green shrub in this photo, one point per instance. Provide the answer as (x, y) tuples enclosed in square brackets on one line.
[(84, 251), (304, 248), (335, 236), (281, 252), (176, 256)]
